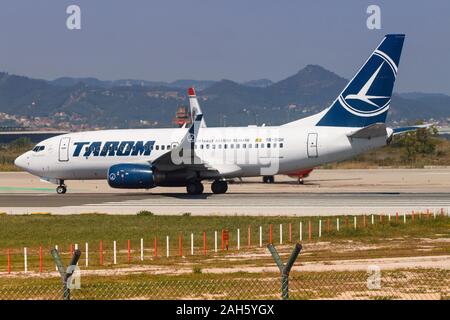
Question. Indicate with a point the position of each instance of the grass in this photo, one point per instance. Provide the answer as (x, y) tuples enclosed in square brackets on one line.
[(31, 231)]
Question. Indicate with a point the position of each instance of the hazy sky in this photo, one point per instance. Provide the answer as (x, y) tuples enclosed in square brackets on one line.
[(233, 39)]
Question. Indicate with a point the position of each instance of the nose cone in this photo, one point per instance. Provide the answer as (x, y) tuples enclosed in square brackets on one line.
[(21, 161)]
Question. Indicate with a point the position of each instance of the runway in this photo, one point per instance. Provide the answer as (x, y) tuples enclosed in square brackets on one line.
[(326, 192), (225, 204)]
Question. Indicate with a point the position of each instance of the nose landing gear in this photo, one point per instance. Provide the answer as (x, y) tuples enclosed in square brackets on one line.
[(61, 189)]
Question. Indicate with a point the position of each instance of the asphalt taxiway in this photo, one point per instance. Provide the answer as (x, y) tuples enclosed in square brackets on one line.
[(326, 192)]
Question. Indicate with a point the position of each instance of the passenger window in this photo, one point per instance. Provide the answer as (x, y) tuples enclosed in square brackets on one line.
[(232, 146), (238, 146), (163, 147), (157, 148), (151, 147), (220, 146), (225, 146), (201, 146), (213, 146), (262, 145), (274, 145), (268, 145), (281, 145), (168, 147), (249, 145), (207, 146), (244, 146)]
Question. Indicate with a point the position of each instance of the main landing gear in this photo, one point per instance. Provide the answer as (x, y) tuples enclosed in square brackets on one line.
[(61, 189), (194, 187), (219, 186)]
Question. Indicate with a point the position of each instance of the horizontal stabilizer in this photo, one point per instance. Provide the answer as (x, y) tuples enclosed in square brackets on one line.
[(410, 128), (373, 131)]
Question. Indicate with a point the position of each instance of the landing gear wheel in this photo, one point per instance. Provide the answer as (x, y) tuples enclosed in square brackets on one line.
[(268, 179), (300, 181), (219, 186), (195, 187), (61, 189)]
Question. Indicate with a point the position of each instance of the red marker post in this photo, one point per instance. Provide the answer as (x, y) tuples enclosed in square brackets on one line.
[(290, 232), (101, 253), (204, 243), (9, 261), (40, 258), (270, 234), (180, 244), (129, 251), (249, 236)]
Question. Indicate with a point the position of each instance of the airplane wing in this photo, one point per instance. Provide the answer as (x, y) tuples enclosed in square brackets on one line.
[(195, 107), (397, 131)]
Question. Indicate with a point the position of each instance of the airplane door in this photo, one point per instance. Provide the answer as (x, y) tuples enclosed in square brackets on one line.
[(64, 149), (312, 145)]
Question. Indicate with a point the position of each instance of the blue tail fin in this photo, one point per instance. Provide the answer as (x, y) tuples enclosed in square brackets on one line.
[(366, 98)]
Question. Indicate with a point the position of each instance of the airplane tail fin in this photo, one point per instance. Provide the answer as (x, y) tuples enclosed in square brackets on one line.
[(366, 98), (195, 107)]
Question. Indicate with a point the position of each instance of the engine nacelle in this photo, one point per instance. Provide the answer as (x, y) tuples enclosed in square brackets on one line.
[(131, 176)]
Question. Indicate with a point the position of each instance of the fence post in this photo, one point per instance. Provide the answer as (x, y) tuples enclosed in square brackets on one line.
[(142, 249), (290, 232), (204, 243), (285, 269), (155, 248), (309, 230), (270, 233), (320, 228), (25, 262), (192, 242), (260, 236), (40, 258), (301, 231), (238, 239), (9, 261), (281, 233), (62, 271), (167, 246), (101, 252), (180, 244), (115, 252), (86, 253)]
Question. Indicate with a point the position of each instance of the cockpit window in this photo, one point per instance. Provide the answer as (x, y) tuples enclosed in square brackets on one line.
[(38, 148)]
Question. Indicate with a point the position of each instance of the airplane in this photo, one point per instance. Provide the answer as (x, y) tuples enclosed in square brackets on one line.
[(146, 158)]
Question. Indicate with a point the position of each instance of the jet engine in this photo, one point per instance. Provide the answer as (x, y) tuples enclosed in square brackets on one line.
[(144, 176)]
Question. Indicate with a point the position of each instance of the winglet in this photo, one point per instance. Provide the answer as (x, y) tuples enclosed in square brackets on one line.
[(191, 92), (195, 107)]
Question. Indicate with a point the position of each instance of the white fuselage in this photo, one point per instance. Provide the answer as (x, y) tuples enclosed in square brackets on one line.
[(231, 151)]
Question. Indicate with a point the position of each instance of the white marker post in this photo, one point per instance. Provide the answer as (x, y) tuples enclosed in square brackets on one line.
[(337, 224), (76, 246), (115, 252), (281, 233), (142, 249), (167, 246), (87, 254), (354, 221), (404, 217), (25, 260), (260, 236), (301, 231), (320, 228), (238, 239), (215, 241), (434, 214), (372, 219), (389, 217)]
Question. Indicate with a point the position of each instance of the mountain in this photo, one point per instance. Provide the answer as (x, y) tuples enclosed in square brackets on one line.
[(78, 103)]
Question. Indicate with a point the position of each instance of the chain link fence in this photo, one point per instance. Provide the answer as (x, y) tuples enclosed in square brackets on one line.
[(397, 284)]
